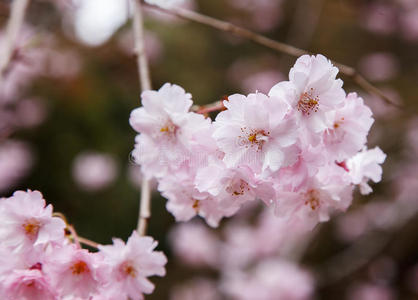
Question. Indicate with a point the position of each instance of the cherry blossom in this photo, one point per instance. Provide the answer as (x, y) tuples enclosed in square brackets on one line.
[(132, 263), (365, 166), (257, 132), (312, 91), (26, 220)]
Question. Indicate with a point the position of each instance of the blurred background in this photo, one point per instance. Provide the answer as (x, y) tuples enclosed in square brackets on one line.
[(72, 83)]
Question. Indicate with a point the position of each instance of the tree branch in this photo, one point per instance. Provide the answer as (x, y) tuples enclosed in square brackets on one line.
[(17, 15), (272, 44), (145, 82)]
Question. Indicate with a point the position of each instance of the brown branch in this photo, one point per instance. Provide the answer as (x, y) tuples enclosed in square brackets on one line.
[(272, 44), (145, 82), (17, 15)]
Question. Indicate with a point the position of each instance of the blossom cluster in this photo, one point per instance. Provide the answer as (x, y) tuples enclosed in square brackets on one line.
[(39, 262), (301, 148)]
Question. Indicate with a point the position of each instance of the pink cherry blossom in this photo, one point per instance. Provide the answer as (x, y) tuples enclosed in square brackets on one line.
[(348, 133), (185, 202), (318, 198), (132, 263), (27, 285), (256, 132), (26, 221), (312, 91), (364, 166), (74, 272), (168, 130)]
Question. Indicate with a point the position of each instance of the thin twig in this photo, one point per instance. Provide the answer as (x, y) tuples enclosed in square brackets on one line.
[(74, 235), (145, 82), (88, 242), (17, 15), (272, 44), (206, 109)]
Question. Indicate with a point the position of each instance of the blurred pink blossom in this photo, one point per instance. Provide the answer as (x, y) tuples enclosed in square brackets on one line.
[(368, 291), (153, 45), (15, 161), (382, 110), (379, 66), (195, 244), (94, 171), (381, 18), (265, 15), (271, 279)]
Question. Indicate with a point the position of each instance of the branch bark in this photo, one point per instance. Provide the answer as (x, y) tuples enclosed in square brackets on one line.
[(271, 44), (14, 24), (145, 83)]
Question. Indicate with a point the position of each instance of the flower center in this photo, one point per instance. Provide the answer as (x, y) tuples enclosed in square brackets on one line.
[(169, 129), (253, 138), (308, 103), (79, 268), (31, 228), (196, 205), (128, 269), (312, 199), (238, 188)]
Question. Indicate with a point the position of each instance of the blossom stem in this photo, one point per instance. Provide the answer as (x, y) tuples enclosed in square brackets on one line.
[(88, 242), (271, 44), (145, 82), (74, 235), (17, 15), (216, 106)]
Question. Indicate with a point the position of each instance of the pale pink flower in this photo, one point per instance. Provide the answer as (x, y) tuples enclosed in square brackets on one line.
[(312, 91), (257, 132), (271, 279), (74, 272), (348, 133), (93, 171), (27, 285), (168, 130), (185, 202), (132, 263), (26, 221), (195, 244), (319, 197), (365, 166), (233, 187)]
